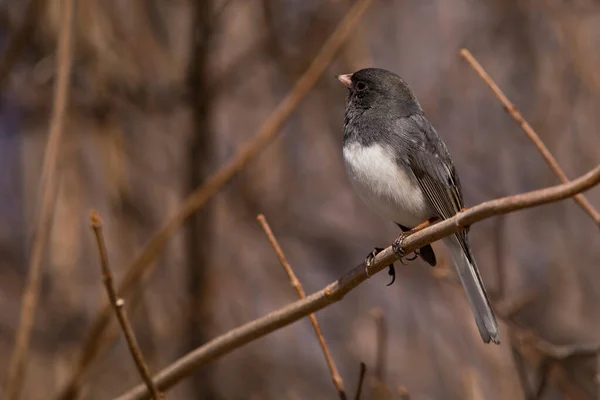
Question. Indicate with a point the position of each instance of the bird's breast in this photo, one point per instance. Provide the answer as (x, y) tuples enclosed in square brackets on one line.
[(384, 185)]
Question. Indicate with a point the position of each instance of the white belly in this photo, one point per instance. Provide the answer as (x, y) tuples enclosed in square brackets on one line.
[(383, 186)]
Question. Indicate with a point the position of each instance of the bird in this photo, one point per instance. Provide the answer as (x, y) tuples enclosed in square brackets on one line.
[(399, 166)]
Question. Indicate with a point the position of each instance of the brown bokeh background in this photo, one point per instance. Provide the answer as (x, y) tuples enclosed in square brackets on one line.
[(164, 93)]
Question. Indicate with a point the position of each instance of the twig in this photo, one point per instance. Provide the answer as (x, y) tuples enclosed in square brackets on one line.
[(335, 291), (19, 40), (381, 345), (537, 141), (361, 380), (138, 270), (118, 304), (48, 188), (295, 282)]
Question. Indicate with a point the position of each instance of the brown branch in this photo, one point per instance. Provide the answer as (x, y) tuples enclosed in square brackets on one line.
[(295, 282), (361, 380), (335, 291), (537, 141), (48, 189), (118, 305), (381, 327), (19, 39), (140, 268)]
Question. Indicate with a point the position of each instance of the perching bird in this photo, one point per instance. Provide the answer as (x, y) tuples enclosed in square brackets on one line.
[(401, 168)]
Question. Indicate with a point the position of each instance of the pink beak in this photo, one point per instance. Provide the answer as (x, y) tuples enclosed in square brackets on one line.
[(345, 79)]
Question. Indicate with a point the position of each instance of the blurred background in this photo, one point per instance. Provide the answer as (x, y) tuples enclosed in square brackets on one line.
[(164, 93)]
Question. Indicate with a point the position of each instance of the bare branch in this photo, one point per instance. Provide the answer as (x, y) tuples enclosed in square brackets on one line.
[(141, 268), (48, 188), (118, 304), (335, 291), (295, 282), (361, 380), (512, 110), (381, 327)]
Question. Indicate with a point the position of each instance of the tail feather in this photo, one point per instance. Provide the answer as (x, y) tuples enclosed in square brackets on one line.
[(473, 285)]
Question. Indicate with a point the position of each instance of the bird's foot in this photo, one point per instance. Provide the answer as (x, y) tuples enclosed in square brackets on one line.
[(397, 245), (369, 263)]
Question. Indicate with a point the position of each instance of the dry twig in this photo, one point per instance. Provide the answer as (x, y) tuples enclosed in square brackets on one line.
[(512, 110), (361, 380), (140, 268), (335, 291), (381, 327), (48, 185), (118, 305), (295, 282)]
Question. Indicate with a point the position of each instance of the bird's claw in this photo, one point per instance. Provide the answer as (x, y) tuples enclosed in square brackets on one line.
[(369, 263), (392, 273), (370, 258)]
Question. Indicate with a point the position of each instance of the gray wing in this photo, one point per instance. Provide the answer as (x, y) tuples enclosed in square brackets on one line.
[(431, 164)]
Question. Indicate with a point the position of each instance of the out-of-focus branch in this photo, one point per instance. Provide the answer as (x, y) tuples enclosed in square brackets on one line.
[(295, 282), (138, 271), (537, 141), (19, 40), (361, 380), (335, 291), (48, 187), (118, 304)]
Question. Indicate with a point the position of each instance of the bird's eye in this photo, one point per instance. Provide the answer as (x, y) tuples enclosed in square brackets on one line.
[(360, 86)]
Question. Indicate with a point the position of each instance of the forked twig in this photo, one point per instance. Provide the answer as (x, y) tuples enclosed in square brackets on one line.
[(48, 185), (295, 282), (119, 308), (336, 291), (537, 141), (138, 271)]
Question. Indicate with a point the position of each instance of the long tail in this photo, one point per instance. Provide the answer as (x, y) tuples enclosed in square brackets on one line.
[(473, 285)]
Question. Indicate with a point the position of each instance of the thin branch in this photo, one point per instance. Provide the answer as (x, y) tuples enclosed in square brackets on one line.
[(19, 39), (381, 327), (118, 304), (48, 189), (537, 141), (361, 380), (335, 291), (140, 268), (295, 282)]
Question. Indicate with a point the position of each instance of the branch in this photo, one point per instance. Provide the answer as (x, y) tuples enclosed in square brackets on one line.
[(335, 291), (335, 375), (361, 380), (140, 268), (118, 304), (48, 189), (537, 141)]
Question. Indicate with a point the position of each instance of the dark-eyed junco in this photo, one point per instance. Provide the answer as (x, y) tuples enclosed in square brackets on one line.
[(401, 168)]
